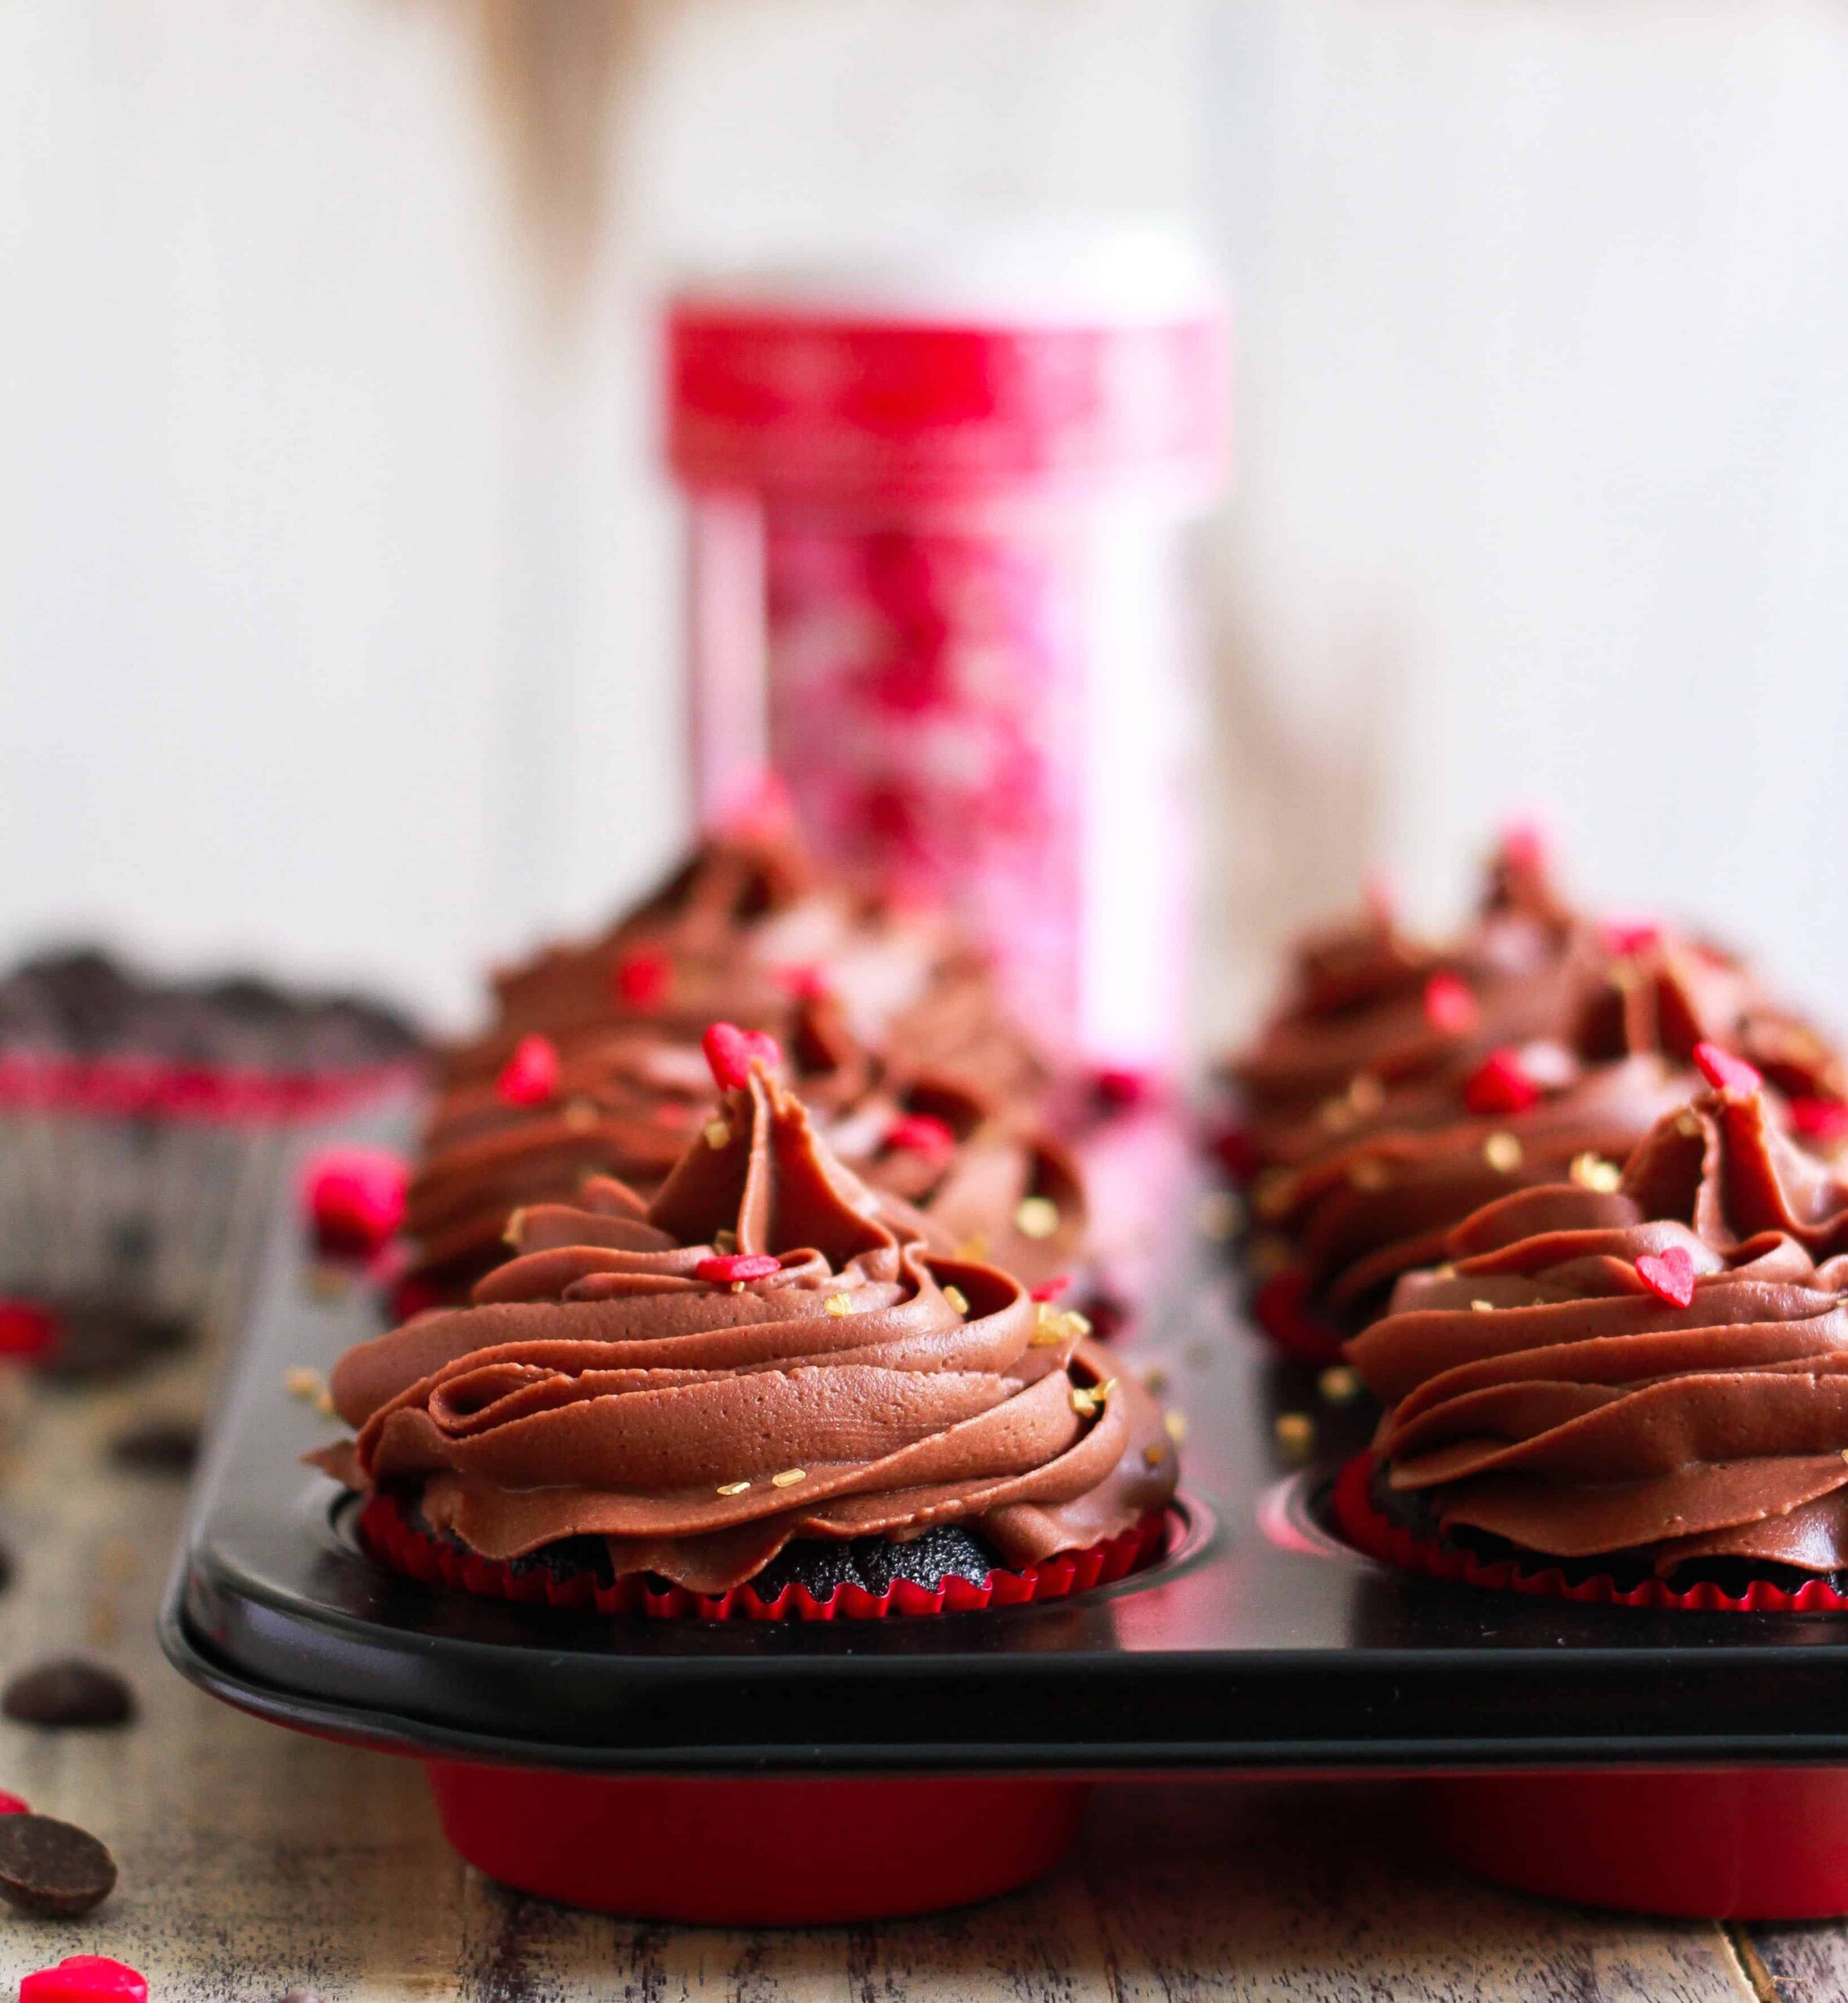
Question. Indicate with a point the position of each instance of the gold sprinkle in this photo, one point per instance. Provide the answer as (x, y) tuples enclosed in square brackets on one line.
[(328, 1282), (1687, 1124), (1174, 1423), (1084, 1402), (1484, 1307), (788, 1478), (717, 1133), (1502, 1151), (1036, 1217), (738, 1286), (838, 1304), (581, 1115), (1368, 1173), (1592, 1171), (1219, 1216), (302, 1383), (957, 1298), (514, 1224), (1365, 1094), (1274, 1192), (1269, 1256), (1080, 1324), (724, 1240), (1152, 1457), (1295, 1433), (324, 1403), (1335, 1114), (733, 1487), (1102, 1392), (973, 1248), (1446, 1271), (1338, 1385)]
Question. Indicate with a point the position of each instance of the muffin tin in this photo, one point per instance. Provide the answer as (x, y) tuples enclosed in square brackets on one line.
[(1260, 1642)]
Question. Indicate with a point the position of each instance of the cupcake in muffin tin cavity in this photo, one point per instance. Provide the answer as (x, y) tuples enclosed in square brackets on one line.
[(142, 1126), (1636, 1392), (1541, 1047), (892, 1031), (760, 1392)]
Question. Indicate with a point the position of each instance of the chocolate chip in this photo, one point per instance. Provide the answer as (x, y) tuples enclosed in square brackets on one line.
[(101, 1340), (69, 1691), (53, 1868), (157, 1445)]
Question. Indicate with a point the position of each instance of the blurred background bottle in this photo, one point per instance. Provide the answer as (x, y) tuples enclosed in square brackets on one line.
[(940, 583)]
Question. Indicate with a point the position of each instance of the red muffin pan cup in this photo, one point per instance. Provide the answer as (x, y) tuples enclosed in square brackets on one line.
[(775, 1852), (1759, 1843)]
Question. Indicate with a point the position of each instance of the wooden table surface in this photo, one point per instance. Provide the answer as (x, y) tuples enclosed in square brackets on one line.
[(254, 1861)]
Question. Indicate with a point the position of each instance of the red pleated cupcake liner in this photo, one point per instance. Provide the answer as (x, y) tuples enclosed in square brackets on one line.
[(1361, 1522), (122, 1087), (1280, 1308), (388, 1532)]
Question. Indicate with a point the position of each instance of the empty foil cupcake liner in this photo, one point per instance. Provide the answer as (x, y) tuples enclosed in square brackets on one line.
[(1359, 1521), (389, 1533)]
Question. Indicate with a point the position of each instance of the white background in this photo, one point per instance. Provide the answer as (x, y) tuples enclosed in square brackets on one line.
[(339, 599)]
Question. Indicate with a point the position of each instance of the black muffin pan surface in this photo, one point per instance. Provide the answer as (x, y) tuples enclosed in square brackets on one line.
[(1260, 1642)]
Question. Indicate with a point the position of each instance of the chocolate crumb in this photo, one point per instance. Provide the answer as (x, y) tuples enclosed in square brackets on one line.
[(157, 1445), (69, 1692), (53, 1868)]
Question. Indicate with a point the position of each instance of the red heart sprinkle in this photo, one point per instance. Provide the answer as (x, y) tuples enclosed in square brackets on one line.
[(79, 1977), (731, 1051), (1501, 1085), (921, 1134), (726, 1267), (11, 1804), (642, 979), (26, 1329), (1122, 1085), (1669, 1275), (355, 1197), (1449, 1005), (530, 1075), (1725, 1071), (1524, 844), (1819, 1119), (805, 983), (1625, 936), (1050, 1289)]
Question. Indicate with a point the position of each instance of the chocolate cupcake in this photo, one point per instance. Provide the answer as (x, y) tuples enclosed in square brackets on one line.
[(1368, 1188), (759, 1392), (142, 1126), (1636, 1394)]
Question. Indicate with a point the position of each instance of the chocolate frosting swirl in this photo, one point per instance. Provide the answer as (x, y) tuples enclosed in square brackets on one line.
[(599, 1385), (630, 1096), (746, 931), (1541, 1390), (1357, 1007)]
